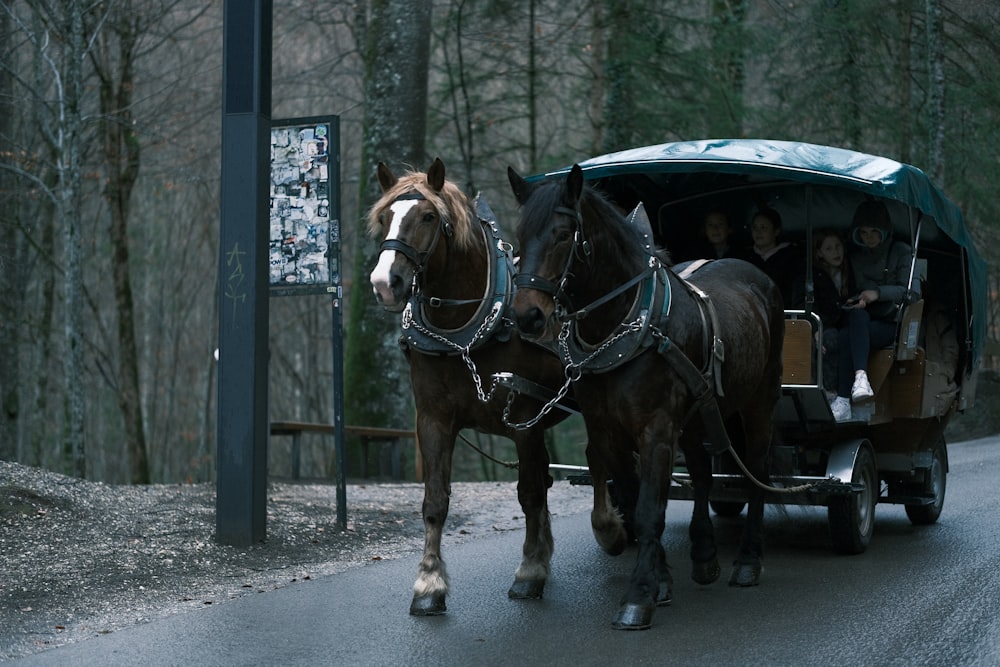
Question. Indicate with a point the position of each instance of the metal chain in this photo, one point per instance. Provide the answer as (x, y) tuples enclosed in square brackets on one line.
[(511, 395), (572, 371), (628, 329), (465, 351)]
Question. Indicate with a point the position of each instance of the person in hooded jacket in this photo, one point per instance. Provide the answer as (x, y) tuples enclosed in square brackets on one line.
[(881, 269)]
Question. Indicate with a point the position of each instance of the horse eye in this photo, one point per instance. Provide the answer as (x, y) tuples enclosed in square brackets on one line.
[(428, 217), (562, 234)]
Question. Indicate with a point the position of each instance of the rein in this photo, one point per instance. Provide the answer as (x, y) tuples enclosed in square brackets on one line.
[(583, 312)]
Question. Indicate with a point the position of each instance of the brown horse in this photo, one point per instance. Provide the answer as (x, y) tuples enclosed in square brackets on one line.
[(647, 348), (443, 264)]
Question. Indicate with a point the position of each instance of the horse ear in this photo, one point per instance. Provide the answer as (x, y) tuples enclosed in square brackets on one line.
[(386, 179), (574, 185), (518, 185), (435, 175)]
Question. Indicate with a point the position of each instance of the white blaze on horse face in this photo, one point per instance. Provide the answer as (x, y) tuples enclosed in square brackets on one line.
[(380, 275)]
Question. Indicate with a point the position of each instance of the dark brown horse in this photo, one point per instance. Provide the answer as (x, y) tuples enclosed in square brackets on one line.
[(443, 264), (647, 347)]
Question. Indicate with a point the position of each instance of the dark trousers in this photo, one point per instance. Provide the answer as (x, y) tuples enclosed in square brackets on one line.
[(858, 337)]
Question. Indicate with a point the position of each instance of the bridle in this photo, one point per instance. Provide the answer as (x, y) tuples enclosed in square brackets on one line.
[(417, 257), (557, 290)]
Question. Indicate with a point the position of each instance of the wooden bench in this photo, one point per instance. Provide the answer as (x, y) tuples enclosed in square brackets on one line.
[(368, 435)]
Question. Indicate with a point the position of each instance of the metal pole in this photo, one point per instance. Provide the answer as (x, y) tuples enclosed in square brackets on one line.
[(337, 335), (241, 478)]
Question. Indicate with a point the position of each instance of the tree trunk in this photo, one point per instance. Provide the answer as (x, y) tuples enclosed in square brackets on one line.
[(397, 53), (69, 212), (620, 108), (726, 117), (10, 286), (936, 87), (120, 146)]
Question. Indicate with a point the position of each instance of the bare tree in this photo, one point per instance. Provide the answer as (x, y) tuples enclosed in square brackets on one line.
[(113, 59)]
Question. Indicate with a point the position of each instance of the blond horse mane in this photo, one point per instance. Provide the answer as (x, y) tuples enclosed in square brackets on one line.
[(451, 204)]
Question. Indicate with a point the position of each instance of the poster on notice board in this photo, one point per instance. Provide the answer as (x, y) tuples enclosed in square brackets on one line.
[(304, 224)]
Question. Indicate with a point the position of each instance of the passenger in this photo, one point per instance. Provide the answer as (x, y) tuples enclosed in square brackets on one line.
[(832, 285), (782, 261), (881, 269), (716, 231)]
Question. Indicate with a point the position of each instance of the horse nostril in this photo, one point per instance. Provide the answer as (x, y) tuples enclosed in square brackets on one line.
[(395, 282), (531, 322)]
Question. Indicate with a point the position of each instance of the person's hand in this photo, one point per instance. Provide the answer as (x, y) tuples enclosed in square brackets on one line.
[(863, 299)]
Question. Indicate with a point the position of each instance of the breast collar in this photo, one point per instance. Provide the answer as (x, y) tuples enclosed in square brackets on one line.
[(488, 322), (649, 311)]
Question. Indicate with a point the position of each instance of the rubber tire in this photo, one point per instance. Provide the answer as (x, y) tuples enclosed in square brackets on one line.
[(726, 508), (936, 484), (852, 517)]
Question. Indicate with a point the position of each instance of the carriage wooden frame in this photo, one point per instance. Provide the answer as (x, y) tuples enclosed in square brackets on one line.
[(893, 451)]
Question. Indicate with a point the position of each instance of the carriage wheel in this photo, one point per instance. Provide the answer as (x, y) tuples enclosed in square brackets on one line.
[(852, 517), (934, 485), (727, 508)]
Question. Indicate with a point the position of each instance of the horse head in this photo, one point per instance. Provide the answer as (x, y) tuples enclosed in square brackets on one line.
[(410, 220), (550, 236)]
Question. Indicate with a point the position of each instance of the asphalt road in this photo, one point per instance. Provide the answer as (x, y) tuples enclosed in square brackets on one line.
[(918, 596)]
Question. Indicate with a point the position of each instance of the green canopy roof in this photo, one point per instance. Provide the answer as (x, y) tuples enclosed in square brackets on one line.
[(810, 164)]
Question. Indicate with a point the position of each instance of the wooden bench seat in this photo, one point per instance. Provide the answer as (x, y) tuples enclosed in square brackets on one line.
[(368, 435)]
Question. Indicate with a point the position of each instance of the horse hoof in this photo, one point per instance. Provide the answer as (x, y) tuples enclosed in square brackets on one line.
[(664, 596), (745, 574), (528, 589), (632, 616), (428, 605), (707, 572)]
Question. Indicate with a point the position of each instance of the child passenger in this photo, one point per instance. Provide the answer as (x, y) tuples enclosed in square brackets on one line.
[(717, 230), (832, 285)]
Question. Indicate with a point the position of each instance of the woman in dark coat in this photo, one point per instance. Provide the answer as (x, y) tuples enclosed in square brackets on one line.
[(832, 285), (781, 260)]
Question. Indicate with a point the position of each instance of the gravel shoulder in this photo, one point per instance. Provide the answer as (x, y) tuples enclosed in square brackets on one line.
[(80, 559)]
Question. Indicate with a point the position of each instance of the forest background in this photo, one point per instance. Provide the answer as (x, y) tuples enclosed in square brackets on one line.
[(110, 118)]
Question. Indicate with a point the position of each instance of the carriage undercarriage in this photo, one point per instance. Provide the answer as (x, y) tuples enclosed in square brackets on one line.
[(848, 467)]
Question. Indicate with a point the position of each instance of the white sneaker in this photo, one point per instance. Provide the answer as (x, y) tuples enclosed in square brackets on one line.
[(841, 408), (862, 389)]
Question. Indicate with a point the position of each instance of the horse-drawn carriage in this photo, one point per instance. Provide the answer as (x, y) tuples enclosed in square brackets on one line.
[(893, 449), (664, 361)]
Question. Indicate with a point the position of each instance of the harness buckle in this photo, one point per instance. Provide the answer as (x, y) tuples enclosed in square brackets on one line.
[(434, 301)]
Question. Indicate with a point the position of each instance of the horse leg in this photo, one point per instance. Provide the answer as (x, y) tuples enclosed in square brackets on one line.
[(749, 559), (431, 587), (705, 567), (606, 519), (533, 482), (651, 582)]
